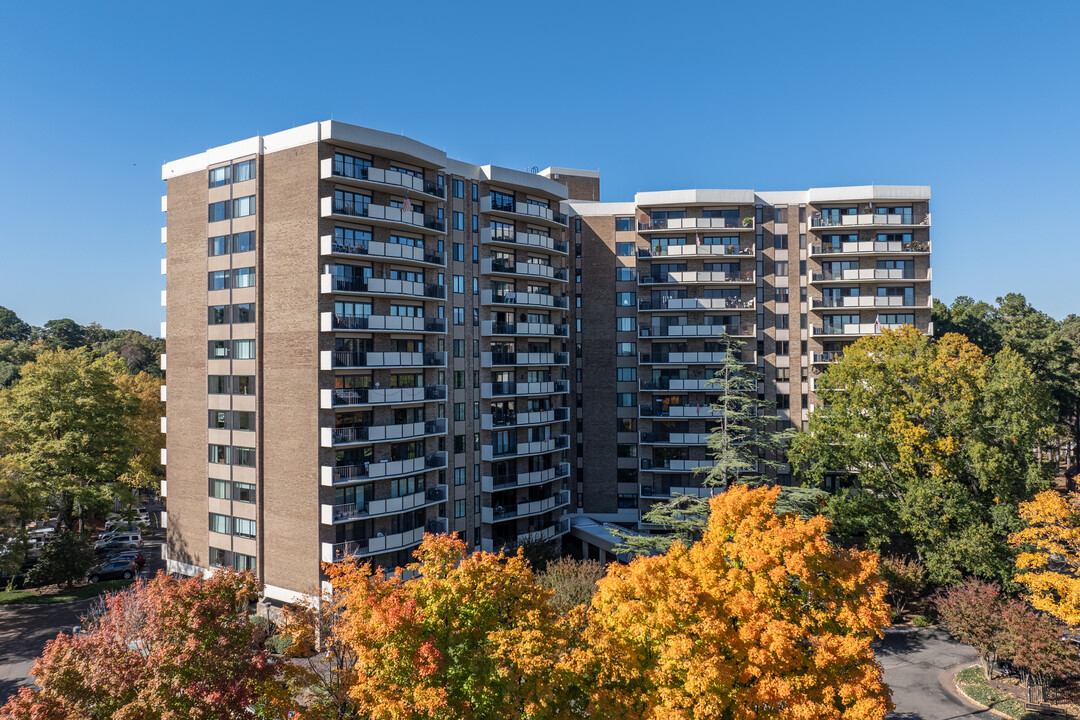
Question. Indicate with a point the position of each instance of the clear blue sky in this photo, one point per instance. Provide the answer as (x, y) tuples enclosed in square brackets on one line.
[(979, 100)]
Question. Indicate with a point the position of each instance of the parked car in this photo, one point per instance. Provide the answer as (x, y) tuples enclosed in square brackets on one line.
[(113, 570), (106, 538), (135, 556), (120, 526), (116, 546)]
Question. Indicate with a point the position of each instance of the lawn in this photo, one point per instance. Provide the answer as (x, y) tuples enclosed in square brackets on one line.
[(973, 682), (53, 594)]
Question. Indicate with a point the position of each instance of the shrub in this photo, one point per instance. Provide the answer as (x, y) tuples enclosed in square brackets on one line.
[(921, 621)]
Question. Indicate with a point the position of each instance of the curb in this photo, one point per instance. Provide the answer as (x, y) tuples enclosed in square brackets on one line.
[(900, 631), (967, 697)]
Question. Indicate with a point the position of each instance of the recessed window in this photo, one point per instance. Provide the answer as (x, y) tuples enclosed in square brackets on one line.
[(624, 224), (624, 249)]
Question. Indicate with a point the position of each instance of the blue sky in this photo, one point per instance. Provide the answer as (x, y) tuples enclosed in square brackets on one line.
[(978, 100)]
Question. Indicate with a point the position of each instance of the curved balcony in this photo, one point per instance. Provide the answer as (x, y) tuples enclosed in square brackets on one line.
[(375, 250), (521, 359), (531, 241), (515, 389), (550, 532), (502, 420), (679, 411), (345, 474), (344, 359), (489, 328), (502, 513), (892, 220), (873, 247), (382, 216), (691, 304), (679, 385), (336, 552), (871, 301), (524, 299), (332, 514), (689, 277), (489, 453), (691, 358), (692, 331), (523, 211), (495, 266), (494, 483), (353, 435), (373, 178), (873, 274), (332, 284), (664, 438), (745, 224), (695, 250), (346, 398), (332, 322), (670, 465), (858, 329)]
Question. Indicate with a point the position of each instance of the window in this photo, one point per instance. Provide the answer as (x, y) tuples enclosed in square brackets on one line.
[(781, 267), (242, 207), (475, 225), (218, 350), (780, 294), (220, 176), (782, 322), (626, 374), (459, 443), (459, 508), (243, 562), (458, 188), (459, 252), (218, 280), (459, 284), (243, 492), (243, 527), (781, 214), (624, 224), (243, 242), (624, 249), (459, 476), (783, 401), (459, 411), (475, 286), (243, 384), (219, 523), (626, 450), (624, 299), (459, 316), (218, 211), (244, 349), (783, 374), (625, 399), (475, 192), (625, 425), (779, 242), (243, 313), (781, 347), (219, 419), (243, 277), (459, 220), (242, 171), (621, 274), (220, 454), (459, 380), (219, 314), (625, 349), (220, 489), (218, 245), (628, 500), (459, 348), (626, 324), (243, 456)]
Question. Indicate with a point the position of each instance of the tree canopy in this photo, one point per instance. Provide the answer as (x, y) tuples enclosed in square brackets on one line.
[(1049, 561)]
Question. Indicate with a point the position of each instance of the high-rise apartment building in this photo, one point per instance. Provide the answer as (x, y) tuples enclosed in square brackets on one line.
[(368, 340)]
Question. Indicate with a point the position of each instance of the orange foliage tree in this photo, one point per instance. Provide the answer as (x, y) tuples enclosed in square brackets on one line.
[(763, 618), (1050, 554)]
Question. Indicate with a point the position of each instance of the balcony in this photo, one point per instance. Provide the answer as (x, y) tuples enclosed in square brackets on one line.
[(657, 491), (520, 359), (372, 178), (512, 388), (355, 397), (690, 358), (343, 359), (523, 299), (496, 266), (709, 331), (332, 514), (337, 552), (829, 356), (671, 465), (513, 238), (871, 220), (509, 419), (854, 329), (489, 453), (383, 215), (520, 210), (502, 513), (691, 304), (696, 250), (872, 247), (664, 438), (345, 474), (689, 277), (559, 527), (333, 284), (870, 274), (489, 328), (679, 385), (331, 322), (489, 483), (372, 249), (679, 411), (871, 301), (367, 434), (746, 224)]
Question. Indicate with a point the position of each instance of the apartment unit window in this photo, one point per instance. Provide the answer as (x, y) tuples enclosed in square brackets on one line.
[(243, 527), (624, 249), (625, 349), (459, 508), (782, 322), (220, 176), (218, 245), (350, 203), (625, 399), (459, 380), (244, 349), (459, 316), (475, 227), (626, 324), (459, 476), (218, 211), (781, 267), (780, 294), (626, 374), (219, 349), (219, 523), (219, 314), (783, 401), (458, 188), (243, 277), (626, 450), (459, 252), (242, 207), (781, 347), (459, 348), (350, 166), (624, 224), (475, 192), (628, 500), (783, 374), (621, 274), (459, 220), (780, 242), (459, 284), (896, 318), (623, 299), (243, 492), (459, 411), (625, 425)]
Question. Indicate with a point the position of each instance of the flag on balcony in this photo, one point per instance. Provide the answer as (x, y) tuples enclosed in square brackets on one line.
[(877, 326), (697, 239), (644, 219), (406, 207)]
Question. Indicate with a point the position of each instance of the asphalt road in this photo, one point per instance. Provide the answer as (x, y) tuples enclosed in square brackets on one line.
[(919, 668)]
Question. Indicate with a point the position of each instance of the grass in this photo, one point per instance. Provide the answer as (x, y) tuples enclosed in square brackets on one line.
[(973, 682), (39, 596)]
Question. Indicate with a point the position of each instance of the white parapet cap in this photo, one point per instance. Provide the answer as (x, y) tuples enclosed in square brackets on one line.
[(868, 192), (524, 180), (694, 197), (557, 171), (599, 209)]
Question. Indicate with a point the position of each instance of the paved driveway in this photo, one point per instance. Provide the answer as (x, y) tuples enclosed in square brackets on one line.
[(918, 668)]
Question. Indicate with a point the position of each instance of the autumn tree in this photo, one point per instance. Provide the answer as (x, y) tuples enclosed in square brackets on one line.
[(572, 582), (166, 649), (467, 637), (763, 618), (144, 428), (974, 613), (1035, 644), (905, 578), (939, 440), (1049, 561)]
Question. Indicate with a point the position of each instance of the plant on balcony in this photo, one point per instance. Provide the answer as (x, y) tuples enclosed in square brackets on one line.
[(747, 222)]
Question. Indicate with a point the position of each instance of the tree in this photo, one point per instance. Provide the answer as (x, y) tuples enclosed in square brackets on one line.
[(762, 618), (571, 582), (970, 318), (164, 649), (468, 637), (906, 579), (65, 558), (144, 428), (1049, 561), (974, 613), (743, 443), (63, 334), (12, 327), (66, 426), (938, 440), (1034, 643)]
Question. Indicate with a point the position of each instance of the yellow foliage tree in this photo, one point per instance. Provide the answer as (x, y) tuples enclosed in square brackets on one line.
[(1050, 554), (763, 618)]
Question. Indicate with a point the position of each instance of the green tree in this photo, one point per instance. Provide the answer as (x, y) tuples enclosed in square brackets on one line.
[(65, 558), (972, 318), (938, 439), (66, 427), (12, 327), (63, 334), (743, 443)]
